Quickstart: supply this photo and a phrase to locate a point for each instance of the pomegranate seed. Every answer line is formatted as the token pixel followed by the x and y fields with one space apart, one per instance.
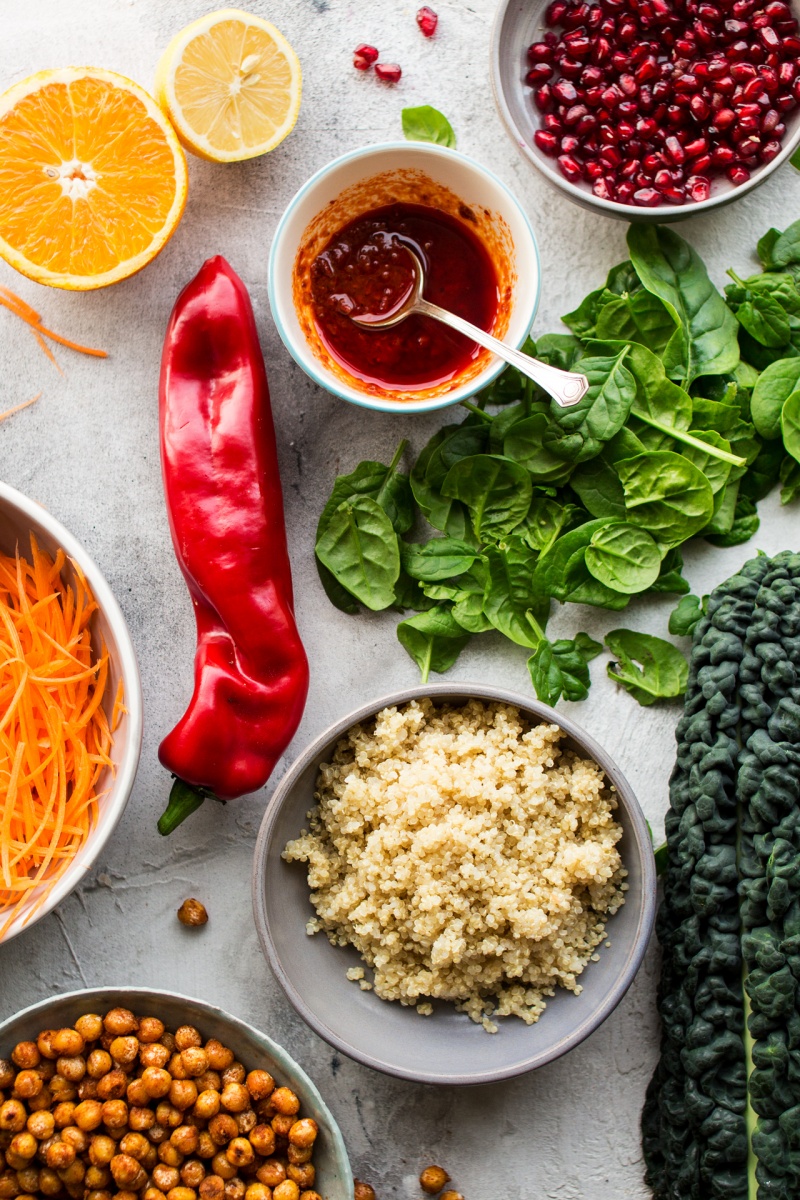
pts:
pixel 625 192
pixel 674 195
pixel 543 98
pixel 737 52
pixel 749 146
pixel 675 150
pixel 630 169
pixel 565 92
pixel 736 29
pixel 786 74
pixel 701 163
pixel 553 123
pixel 753 89
pixel 368 53
pixel 723 156
pixel 570 168
pixel 743 72
pixel 595 18
pixel 427 21
pixel 792 44
pixel 646 127
pixel 570 67
pixel 540 73
pixel 601 51
pixel 578 44
pixel 647 197
pixel 594 97
pixel 769 78
pixel 576 16
pixel 709 13
pixel 554 13
pixel 652 162
pixel 574 114
pixel 603 189
pixel 663 179
pixel 695 147
pixel 738 174
pixel 611 156
pixel 594 170
pixel 769 150
pixel 698 187
pixel 769 37
pixel 547 142
pixel 591 76
pixel 724 118
pixel 586 125
pixel 686 83
pixel 779 130
pixel 569 144
pixel 388 72
pixel 540 52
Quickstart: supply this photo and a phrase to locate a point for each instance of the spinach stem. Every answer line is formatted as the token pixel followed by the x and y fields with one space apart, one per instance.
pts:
pixel 426 662
pixel 680 435
pixel 398 454
pixel 473 408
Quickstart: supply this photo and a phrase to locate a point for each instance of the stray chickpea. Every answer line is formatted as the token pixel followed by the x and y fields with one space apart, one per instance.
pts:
pixel 433 1179
pixel 120 1021
pixel 28 1084
pixel 76 1138
pixel 220 1166
pixel 304 1132
pixel 186 1036
pixel 153 1193
pixel 451 1195
pixel 303 1174
pixel 272 1172
pixel 207 1105
pixel 165 1177
pixel 68 1043
pixel 288 1190
pixel 192 913
pixel 90 1027
pixel 185 1138
pixel 235 1189
pixel 72 1069
pixel 98 1064
pixel 150 1029
pixel 154 1055
pixel 12 1116
pixel 192 1173
pixel 284 1101
pixel 26 1055
pixel 102 1149
pixel 42 1125
pixel 219 1056
pixel 239 1152
pixel 141 1119
pixel 183 1093
pixel 97 1177
pixel 235 1097
pixel 212 1188
pixel 260 1084
pixel 7 1072
pixel 156 1082
pixel 363 1191
pixel 258 1191
pixel 124 1049
pixel 24 1145
pixel 297 1155
pixel 88 1115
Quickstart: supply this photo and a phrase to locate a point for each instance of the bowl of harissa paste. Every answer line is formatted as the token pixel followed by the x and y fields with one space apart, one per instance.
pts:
pixel 346 229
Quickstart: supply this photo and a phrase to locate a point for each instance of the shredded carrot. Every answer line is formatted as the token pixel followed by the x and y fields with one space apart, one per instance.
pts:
pixel 54 732
pixel 10 411
pixel 119 710
pixel 30 316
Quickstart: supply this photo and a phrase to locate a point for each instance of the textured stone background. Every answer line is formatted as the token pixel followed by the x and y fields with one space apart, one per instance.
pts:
pixel 89 451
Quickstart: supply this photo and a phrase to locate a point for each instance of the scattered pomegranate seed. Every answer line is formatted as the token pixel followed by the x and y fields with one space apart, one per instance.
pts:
pixel 647 101
pixel 388 72
pixel 427 21
pixel 364 56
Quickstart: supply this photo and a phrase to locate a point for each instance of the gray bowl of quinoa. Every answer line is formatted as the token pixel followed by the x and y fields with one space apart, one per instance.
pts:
pixel 454 884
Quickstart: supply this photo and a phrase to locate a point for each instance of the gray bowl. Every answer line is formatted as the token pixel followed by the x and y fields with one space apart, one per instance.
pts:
pixel 446 1047
pixel 255 1049
pixel 517 24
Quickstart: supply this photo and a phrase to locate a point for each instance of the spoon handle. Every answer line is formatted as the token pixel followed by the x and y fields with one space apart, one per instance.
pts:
pixel 566 387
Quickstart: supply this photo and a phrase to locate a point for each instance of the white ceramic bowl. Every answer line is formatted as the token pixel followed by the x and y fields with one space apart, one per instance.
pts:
pixel 517 24
pixel 473 184
pixel 19 517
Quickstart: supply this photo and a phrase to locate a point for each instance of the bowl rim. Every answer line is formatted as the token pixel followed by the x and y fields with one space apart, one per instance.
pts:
pixel 641 838
pixel 282 1056
pixel 129 671
pixel 302 355
pixel 587 199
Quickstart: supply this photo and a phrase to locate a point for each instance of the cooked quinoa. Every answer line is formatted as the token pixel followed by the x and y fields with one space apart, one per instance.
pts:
pixel 466 855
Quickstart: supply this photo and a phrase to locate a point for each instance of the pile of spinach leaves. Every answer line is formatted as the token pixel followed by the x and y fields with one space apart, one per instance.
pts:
pixel 692 414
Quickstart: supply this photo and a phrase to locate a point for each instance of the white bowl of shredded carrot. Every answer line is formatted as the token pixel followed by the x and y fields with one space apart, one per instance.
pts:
pixel 70 712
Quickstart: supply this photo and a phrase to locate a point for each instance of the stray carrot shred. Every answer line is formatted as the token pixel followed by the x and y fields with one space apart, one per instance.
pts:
pixel 30 316
pixel 10 411
pixel 54 733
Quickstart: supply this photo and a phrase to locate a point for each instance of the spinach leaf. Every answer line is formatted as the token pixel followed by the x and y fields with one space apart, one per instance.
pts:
pixel 760 479
pixel 383 484
pixel 545 520
pixel 790 425
pixel 524 443
pixel 765 320
pixel 562 668
pixel 468 606
pixel 427 476
pixel 598 488
pixel 584 318
pixel 670 581
pixel 785 249
pixel 774 387
pixel 438 559
pixel 497 492
pixel 410 593
pixel 558 350
pixel 790 478
pixel 745 524
pixel 641 317
pixel 724 511
pixel 426 124
pixel 667 495
pixel 647 667
pixel 576 434
pixel 339 596
pixel 434 639
pixel 715 469
pixel 624 558
pixel 765 247
pixel 622 279
pixel 510 599
pixel 684 619
pixel 705 341
pixel 359 548
pixel 563 574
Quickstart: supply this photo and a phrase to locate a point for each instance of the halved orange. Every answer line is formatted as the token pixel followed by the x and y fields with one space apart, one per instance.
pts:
pixel 93 179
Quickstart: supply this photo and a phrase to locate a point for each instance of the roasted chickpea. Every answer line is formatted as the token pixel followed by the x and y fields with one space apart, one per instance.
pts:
pixel 136 1093
pixel 97 1177
pixel 433 1179
pixel 186 1036
pixel 119 1022
pixel 284 1101
pixel 185 1139
pixel 206 1146
pixel 74 1175
pixel 23 1145
pixel 112 1086
pixel 451 1195
pixel 282 1124
pixel 49 1183
pixel 235 1073
pixel 9 1187
pixel 41 1124
pixel 12 1116
pixel 134 1145
pixel 124 1195
pixel 272 1172
pixel 153 1193
pixel 170 1116
pixel 192 1173
pixel 207 1105
pixel 26 1055
pixel 288 1190
pixel 209 1081
pixel 98 1064
pixel 222 1128
pixel 262 1138
pixel 76 1138
pixel 260 1084
pixel 235 1097
pixel 88 1115
pixel 219 1056
pixel 168 1039
pixel 72 1069
pixel 28 1084
pixel 61 1090
pixel 195 1061
pixel 212 1188
pixel 183 1093
pixel 42 1102
pixel 16 1161
pixel 124 1050
pixel 150 1029
pixel 7 1072
pixel 363 1191
pixel 87 1089
pixel 176 1068
pixel 155 1055
pixel 102 1149
pixel 157 1134
pixel 141 1119
pixel 235 1189
pixel 310 1196
pixel 299 1154
pixel 246 1121
pixel 156 1082
pixel 28 1179
pixel 304 1132
pixel 182 1193
pixel 68 1043
pixel 127 1171
pixel 258 1191
pixel 165 1177
pixel 59 1155
pixel 64 1114
pixel 44 1043
pixel 220 1166
pixel 89 1026
pixel 115 1114
pixel 303 1174
pixel 239 1152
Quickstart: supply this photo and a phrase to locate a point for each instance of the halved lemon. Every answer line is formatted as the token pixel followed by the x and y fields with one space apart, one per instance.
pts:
pixel 231 85
pixel 93 179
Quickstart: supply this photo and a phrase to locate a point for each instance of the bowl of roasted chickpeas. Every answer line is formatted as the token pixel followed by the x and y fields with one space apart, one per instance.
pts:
pixel 134 1094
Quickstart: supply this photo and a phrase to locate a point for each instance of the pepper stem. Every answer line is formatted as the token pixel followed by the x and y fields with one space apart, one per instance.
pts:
pixel 184 799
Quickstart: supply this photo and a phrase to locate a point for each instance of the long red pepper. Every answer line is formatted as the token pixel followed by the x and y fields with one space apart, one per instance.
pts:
pixel 223 494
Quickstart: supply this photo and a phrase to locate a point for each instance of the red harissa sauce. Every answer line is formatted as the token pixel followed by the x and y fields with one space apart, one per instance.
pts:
pixel 364 269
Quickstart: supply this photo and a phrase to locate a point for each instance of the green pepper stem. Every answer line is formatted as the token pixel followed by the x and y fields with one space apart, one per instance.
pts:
pixel 184 799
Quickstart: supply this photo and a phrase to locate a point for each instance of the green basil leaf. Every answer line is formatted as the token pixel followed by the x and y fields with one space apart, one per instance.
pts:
pixel 510 599
pixel 339 596
pixel 359 548
pixel 576 434
pixel 562 668
pixel 790 478
pixel 624 558
pixel 774 387
pixel 438 559
pixel 427 124
pixel 524 443
pixel 765 320
pixel 648 667
pixel 496 491
pixel 684 619
pixel 745 524
pixel 434 639
pixel 670 581
pixel 790 425
pixel 705 342
pixel 667 495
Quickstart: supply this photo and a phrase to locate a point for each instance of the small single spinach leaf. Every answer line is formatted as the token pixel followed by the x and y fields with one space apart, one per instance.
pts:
pixel 434 639
pixel 790 425
pixel 785 249
pixel 545 520
pixel 670 580
pixel 667 495
pixel 583 319
pixel 563 574
pixel 510 598
pixel 427 124
pixel 790 479
pixel 386 485
pixel 576 434
pixel 561 668
pixel 774 387
pixel 686 616
pixel 524 443
pixel 765 320
pixel 339 596
pixel 624 558
pixel 765 246
pixel 745 524
pixel 359 548
pixel 599 489
pixel 648 667
pixel 641 317
pixel 497 492
pixel 438 559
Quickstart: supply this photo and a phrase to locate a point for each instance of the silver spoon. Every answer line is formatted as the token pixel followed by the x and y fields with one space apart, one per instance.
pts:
pixel 566 387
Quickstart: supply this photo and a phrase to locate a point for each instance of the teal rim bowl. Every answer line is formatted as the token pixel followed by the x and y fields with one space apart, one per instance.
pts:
pixel 472 183
pixel 253 1048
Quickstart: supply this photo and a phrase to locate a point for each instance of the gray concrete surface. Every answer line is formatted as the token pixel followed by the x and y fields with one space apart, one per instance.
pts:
pixel 88 450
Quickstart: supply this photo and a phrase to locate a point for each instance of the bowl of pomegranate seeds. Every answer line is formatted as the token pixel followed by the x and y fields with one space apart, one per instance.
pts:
pixel 649 109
